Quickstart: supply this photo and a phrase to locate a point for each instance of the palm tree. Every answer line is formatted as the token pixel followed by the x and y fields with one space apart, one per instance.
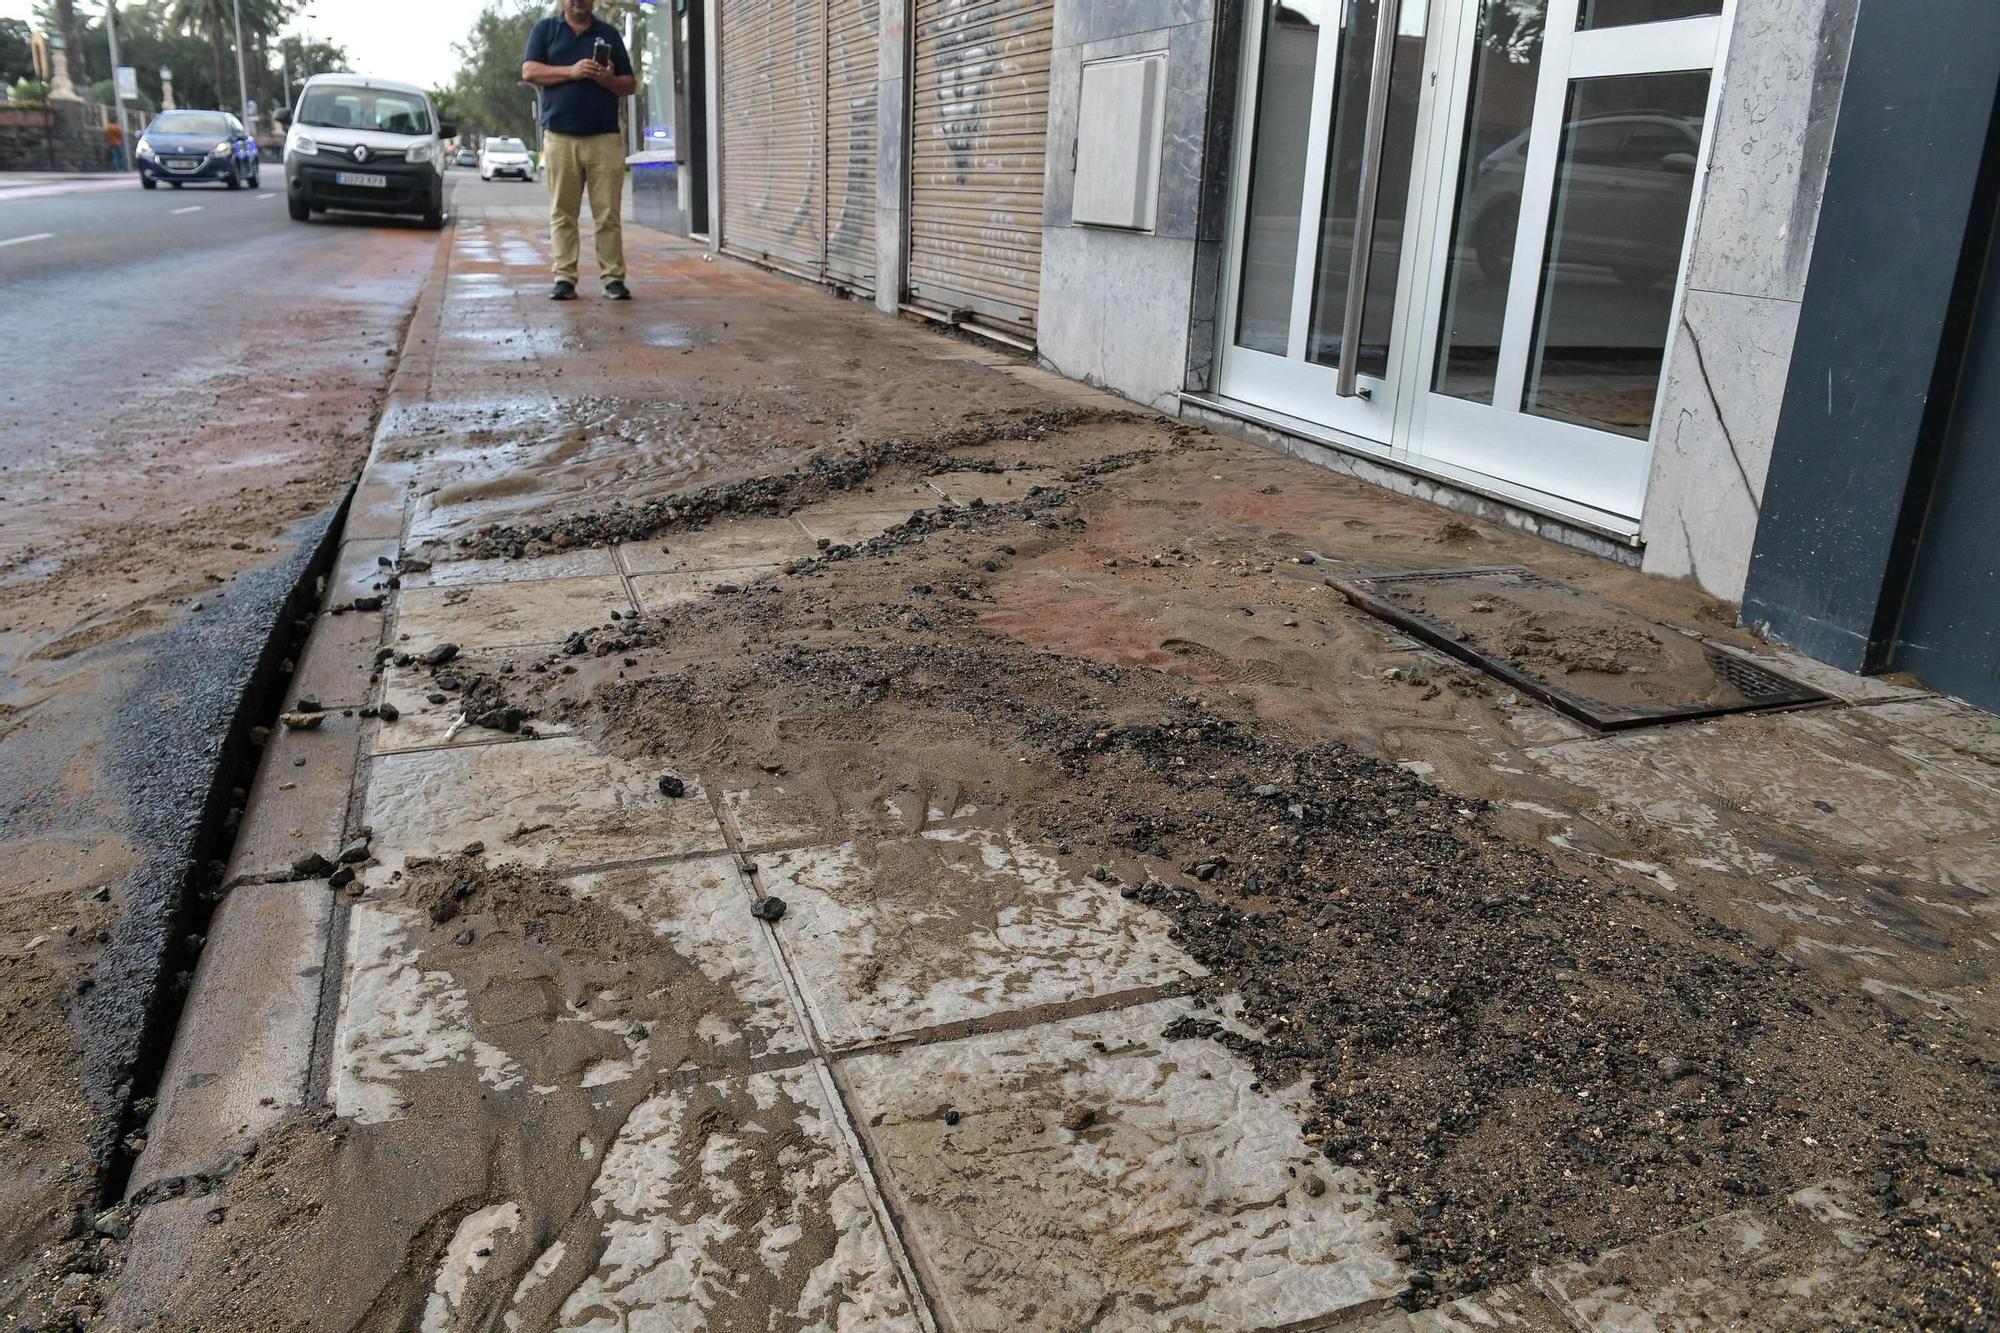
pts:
pixel 215 20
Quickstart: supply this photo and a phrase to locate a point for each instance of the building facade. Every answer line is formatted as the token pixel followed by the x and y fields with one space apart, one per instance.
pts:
pixel 1557 262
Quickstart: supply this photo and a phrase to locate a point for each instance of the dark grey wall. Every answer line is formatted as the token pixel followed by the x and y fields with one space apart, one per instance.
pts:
pixel 1886 303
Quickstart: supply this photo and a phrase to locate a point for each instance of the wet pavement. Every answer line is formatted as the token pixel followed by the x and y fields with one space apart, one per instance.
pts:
pixel 563 1064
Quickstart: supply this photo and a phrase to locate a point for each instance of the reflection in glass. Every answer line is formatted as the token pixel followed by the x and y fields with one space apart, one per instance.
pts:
pixel 1624 182
pixel 1619 13
pixel 1278 176
pixel 1506 64
pixel 1343 183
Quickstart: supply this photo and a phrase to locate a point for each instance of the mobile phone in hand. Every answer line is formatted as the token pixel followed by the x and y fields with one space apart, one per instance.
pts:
pixel 601 53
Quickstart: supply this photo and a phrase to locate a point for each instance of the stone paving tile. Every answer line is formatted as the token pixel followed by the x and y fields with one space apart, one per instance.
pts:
pixel 588 562
pixel 792 812
pixel 734 545
pixel 1943 733
pixel 507 615
pixel 423 725
pixel 554 802
pixel 701 910
pixel 852 527
pixel 993 487
pixel 1100 1176
pixel 729 1205
pixel 400 1015
pixel 379 503
pixel 893 936
pixel 298 803
pixel 659 592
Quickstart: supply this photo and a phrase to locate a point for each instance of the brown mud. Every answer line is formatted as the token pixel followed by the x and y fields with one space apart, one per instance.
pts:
pixel 1535 1060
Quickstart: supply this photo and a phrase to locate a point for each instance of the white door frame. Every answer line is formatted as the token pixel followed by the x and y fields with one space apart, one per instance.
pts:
pixel 1603 473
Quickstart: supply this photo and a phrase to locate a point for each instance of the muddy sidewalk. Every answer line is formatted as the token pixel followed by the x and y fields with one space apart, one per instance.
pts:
pixel 844 828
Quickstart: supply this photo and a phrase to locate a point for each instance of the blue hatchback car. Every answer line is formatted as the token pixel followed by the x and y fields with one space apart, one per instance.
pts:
pixel 183 146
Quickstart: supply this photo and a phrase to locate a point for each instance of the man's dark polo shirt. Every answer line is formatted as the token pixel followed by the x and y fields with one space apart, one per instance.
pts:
pixel 579 106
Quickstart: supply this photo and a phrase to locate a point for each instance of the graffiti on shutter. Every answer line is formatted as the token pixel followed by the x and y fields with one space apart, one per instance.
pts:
pixel 854 41
pixel 773 57
pixel 979 137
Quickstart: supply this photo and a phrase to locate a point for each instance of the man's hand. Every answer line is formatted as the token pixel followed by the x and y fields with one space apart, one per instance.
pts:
pixel 591 70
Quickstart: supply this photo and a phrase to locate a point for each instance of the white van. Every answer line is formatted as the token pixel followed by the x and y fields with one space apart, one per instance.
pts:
pixel 363 144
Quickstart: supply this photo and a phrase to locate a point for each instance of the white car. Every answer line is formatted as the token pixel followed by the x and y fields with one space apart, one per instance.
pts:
pixel 506 157
pixel 364 144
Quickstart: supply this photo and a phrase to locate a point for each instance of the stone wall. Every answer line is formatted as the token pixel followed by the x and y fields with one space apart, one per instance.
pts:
pixel 71 138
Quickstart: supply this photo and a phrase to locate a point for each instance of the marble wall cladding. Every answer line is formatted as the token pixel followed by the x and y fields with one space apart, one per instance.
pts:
pixel 1773 134
pixel 1115 310
pixel 1094 280
pixel 1712 447
pixel 1731 352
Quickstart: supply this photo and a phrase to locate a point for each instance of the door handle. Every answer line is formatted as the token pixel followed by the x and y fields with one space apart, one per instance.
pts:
pixel 1370 189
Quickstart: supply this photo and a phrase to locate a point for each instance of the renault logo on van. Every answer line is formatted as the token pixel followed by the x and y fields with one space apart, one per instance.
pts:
pixel 361 152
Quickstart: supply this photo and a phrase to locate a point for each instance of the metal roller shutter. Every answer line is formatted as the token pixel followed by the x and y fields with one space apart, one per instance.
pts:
pixel 774 132
pixel 979 131
pixel 853 41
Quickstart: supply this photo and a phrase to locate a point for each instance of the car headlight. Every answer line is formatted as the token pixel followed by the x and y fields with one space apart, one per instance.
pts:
pixel 302 145
pixel 420 153
pixel 145 148
pixel 221 150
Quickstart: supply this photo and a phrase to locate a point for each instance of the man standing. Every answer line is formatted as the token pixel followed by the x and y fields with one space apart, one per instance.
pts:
pixel 114 144
pixel 580 64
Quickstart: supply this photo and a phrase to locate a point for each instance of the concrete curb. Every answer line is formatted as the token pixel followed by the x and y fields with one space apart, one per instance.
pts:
pixel 241 1056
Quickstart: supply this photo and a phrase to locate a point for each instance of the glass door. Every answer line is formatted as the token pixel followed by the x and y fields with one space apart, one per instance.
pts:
pixel 1323 210
pixel 1580 129
pixel 1460 228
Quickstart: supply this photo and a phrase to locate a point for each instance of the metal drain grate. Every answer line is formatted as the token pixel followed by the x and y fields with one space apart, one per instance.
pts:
pixel 1735 685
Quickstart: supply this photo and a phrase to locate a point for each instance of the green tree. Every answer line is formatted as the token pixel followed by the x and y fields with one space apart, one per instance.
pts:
pixel 16 59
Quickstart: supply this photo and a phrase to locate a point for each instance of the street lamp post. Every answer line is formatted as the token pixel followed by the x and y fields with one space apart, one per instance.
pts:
pixel 242 80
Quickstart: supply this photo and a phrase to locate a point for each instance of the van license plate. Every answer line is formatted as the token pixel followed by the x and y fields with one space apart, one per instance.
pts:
pixel 361 178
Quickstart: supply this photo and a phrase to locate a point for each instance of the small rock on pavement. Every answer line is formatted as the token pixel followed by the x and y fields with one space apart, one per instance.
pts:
pixel 769 909
pixel 441 654
pixel 302 721
pixel 1078 1118
pixel 354 853
pixel 312 866
pixel 672 788
pixel 388 712
pixel 114 1222
pixel 1313 1186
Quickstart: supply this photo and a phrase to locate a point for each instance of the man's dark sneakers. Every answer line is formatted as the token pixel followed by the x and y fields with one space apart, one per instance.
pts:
pixel 617 291
pixel 565 291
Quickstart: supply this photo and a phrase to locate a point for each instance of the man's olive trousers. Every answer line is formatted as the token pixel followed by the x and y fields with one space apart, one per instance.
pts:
pixel 593 162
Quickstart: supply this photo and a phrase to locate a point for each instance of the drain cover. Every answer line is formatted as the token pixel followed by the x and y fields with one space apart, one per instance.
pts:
pixel 1597 661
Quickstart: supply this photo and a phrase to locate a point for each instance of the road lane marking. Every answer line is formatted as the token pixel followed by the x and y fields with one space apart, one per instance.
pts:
pixel 23 240
pixel 191 208
pixel 263 197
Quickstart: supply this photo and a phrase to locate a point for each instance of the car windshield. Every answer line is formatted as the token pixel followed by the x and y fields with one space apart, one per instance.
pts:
pixel 209 125
pixel 505 146
pixel 339 107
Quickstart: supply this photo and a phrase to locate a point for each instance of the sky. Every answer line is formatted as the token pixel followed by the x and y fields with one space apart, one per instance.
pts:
pixel 409 40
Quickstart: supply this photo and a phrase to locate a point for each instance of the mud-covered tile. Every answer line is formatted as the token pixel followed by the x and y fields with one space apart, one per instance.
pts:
pixel 507 615
pixel 600 984
pixel 736 1204
pixel 700 909
pixel 555 802
pixel 852 528
pixel 752 541
pixel 897 935
pixel 794 811
pixel 1943 733
pixel 992 487
pixel 584 562
pixel 1093 1173
pixel 423 725
pixel 658 592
